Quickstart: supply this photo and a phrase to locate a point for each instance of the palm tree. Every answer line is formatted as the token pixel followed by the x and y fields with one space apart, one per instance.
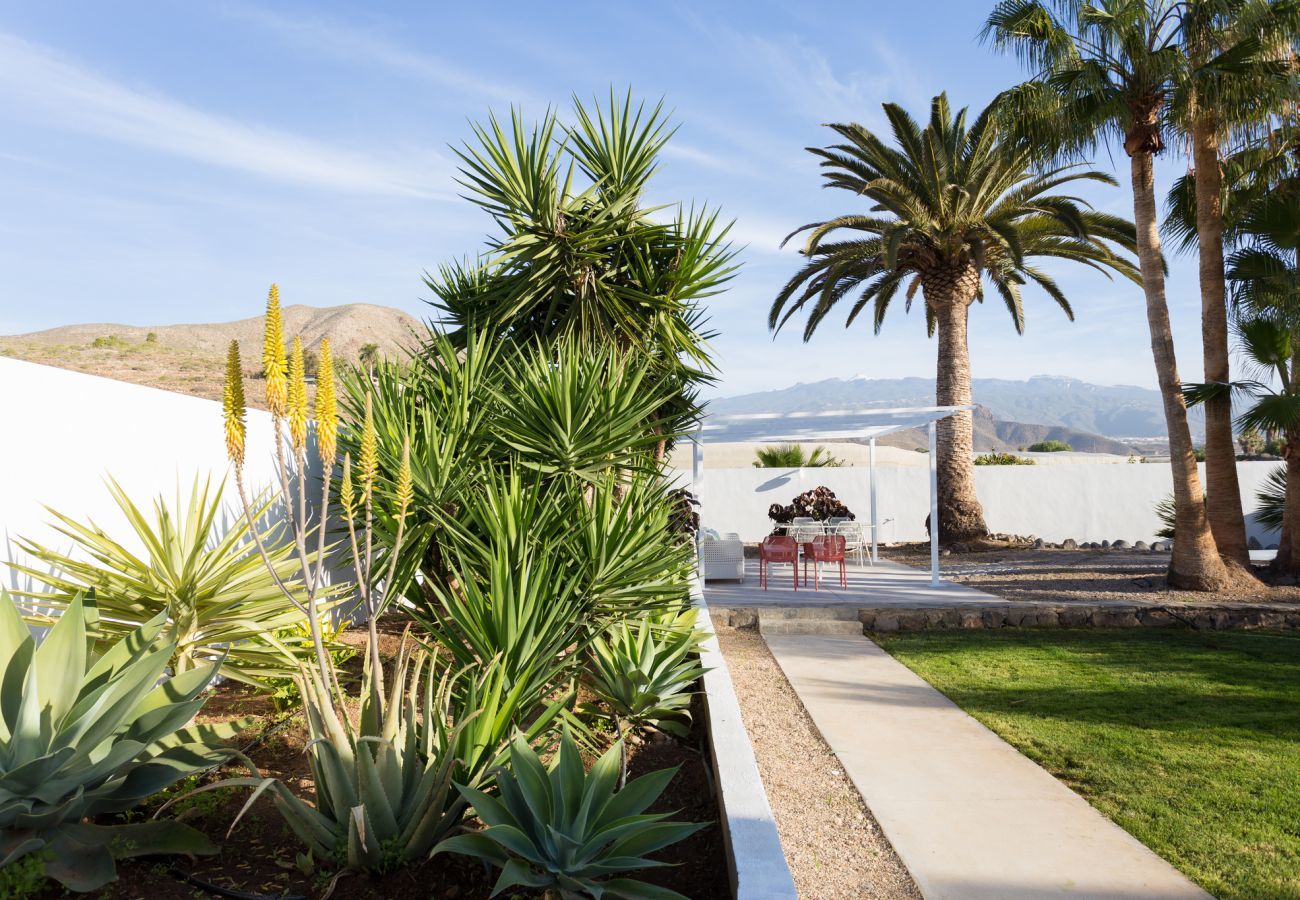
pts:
pixel 951 207
pixel 1107 69
pixel 794 456
pixel 368 356
pixel 1265 274
pixel 1237 74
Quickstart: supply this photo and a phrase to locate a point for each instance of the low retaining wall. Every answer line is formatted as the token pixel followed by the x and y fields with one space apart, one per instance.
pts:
pixel 1201 616
pixel 757 860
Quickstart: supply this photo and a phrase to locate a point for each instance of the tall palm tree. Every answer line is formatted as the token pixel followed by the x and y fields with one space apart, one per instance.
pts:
pixel 1265 275
pixel 1238 73
pixel 951 208
pixel 1102 69
pixel 368 356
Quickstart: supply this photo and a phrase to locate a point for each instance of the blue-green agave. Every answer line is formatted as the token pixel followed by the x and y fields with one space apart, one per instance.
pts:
pixel 84 735
pixel 568 830
pixel 645 669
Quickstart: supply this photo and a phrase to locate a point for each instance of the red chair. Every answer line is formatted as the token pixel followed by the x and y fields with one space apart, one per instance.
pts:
pixel 778 548
pixel 825 548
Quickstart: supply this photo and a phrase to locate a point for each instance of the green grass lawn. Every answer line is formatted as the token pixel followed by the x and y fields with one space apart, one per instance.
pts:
pixel 1189 740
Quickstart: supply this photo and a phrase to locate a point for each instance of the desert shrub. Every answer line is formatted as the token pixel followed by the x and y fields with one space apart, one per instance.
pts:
pixel 1049 447
pixel 108 342
pixel 220 599
pixel 151 338
pixel 820 504
pixel 794 456
pixel 1002 459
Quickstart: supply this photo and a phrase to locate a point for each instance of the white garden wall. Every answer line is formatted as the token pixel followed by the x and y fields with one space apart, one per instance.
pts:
pixel 1084 502
pixel 67 431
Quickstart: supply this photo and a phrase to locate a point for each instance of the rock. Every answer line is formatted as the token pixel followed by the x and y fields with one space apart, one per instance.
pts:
pixel 1254 544
pixel 1139 545
pixel 1093 545
pixel 1039 543
pixel 886 622
pixel 1119 545
pixel 1069 544
pixel 1105 545
pixel 945 552
pixel 1075 616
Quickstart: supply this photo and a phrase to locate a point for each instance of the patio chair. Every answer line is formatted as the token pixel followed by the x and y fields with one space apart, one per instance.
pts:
pixel 855 539
pixel 778 549
pixel 828 548
pixel 722 557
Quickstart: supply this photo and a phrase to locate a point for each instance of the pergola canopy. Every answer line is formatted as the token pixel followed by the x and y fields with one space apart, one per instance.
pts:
pixel 861 424
pixel 820 426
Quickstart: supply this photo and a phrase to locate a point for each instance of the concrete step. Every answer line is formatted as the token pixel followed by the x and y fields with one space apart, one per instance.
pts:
pixel 808 626
pixel 828 613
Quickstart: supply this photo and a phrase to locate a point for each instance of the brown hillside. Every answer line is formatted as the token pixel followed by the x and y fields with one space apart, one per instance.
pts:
pixel 189 359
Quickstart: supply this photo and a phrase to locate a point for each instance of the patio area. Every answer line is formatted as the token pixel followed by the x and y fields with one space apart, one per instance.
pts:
pixel 886 583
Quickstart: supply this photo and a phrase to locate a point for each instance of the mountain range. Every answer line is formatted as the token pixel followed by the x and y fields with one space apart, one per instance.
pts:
pixel 1016 413
pixel 190 359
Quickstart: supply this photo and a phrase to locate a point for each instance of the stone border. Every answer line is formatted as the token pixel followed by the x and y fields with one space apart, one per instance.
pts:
pixel 1203 617
pixel 756 859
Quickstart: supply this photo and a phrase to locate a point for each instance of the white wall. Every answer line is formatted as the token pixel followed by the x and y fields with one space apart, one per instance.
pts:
pixel 67 431
pixel 1084 502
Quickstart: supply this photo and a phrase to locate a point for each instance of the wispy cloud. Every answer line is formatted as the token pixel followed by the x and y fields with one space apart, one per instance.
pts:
pixel 42 85
pixel 351 43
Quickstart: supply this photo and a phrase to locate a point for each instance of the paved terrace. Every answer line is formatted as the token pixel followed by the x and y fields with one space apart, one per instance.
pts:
pixel 883 584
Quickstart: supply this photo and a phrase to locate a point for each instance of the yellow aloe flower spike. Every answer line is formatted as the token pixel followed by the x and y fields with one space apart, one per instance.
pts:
pixel 405 490
pixel 327 413
pixel 369 461
pixel 297 397
pixel 273 361
pixel 347 493
pixel 232 405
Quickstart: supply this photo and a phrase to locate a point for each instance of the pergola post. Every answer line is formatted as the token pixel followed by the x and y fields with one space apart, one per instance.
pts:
pixel 697 472
pixel 875 523
pixel 934 505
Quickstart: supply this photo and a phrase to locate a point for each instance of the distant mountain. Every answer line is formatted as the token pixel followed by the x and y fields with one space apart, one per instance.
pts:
pixel 1114 411
pixel 992 433
pixel 190 359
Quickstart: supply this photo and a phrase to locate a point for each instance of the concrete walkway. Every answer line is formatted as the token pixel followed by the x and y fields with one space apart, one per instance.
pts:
pixel 970 817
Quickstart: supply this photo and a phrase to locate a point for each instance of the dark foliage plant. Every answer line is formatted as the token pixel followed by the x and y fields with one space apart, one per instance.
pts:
pixel 820 503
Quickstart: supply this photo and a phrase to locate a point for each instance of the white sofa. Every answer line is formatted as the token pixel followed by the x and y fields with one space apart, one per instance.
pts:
pixel 722 556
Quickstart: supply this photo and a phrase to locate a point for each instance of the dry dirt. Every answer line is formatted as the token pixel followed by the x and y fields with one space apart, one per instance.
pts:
pixel 833 844
pixel 190 359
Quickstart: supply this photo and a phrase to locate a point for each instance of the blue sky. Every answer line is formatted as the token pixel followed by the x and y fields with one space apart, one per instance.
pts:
pixel 164 162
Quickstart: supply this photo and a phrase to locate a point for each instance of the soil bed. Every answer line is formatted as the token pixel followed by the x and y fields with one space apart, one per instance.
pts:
pixel 259 858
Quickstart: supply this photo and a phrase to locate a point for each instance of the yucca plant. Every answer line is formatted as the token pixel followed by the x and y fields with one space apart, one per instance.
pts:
pixel 644 669
pixel 203 573
pixel 567 830
pixel 84 735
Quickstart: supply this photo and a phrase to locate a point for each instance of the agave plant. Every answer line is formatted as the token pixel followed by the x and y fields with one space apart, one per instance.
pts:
pixel 219 597
pixel 384 792
pixel 644 669
pixel 84 735
pixel 566 830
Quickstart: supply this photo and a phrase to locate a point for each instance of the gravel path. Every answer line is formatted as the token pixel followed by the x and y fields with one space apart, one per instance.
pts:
pixel 833 844
pixel 1081 576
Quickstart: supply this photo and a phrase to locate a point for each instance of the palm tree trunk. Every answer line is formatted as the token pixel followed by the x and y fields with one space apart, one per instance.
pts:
pixel 1195 563
pixel 961 518
pixel 1223 491
pixel 1288 548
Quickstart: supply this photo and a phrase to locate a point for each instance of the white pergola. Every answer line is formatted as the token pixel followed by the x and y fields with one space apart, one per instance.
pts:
pixel 858 424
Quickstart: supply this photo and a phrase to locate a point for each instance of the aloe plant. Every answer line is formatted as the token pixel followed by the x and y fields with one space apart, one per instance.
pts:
pixel 219 596
pixel 566 830
pixel 644 669
pixel 84 735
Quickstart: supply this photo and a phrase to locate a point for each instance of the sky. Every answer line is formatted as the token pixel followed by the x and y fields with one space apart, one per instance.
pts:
pixel 164 162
